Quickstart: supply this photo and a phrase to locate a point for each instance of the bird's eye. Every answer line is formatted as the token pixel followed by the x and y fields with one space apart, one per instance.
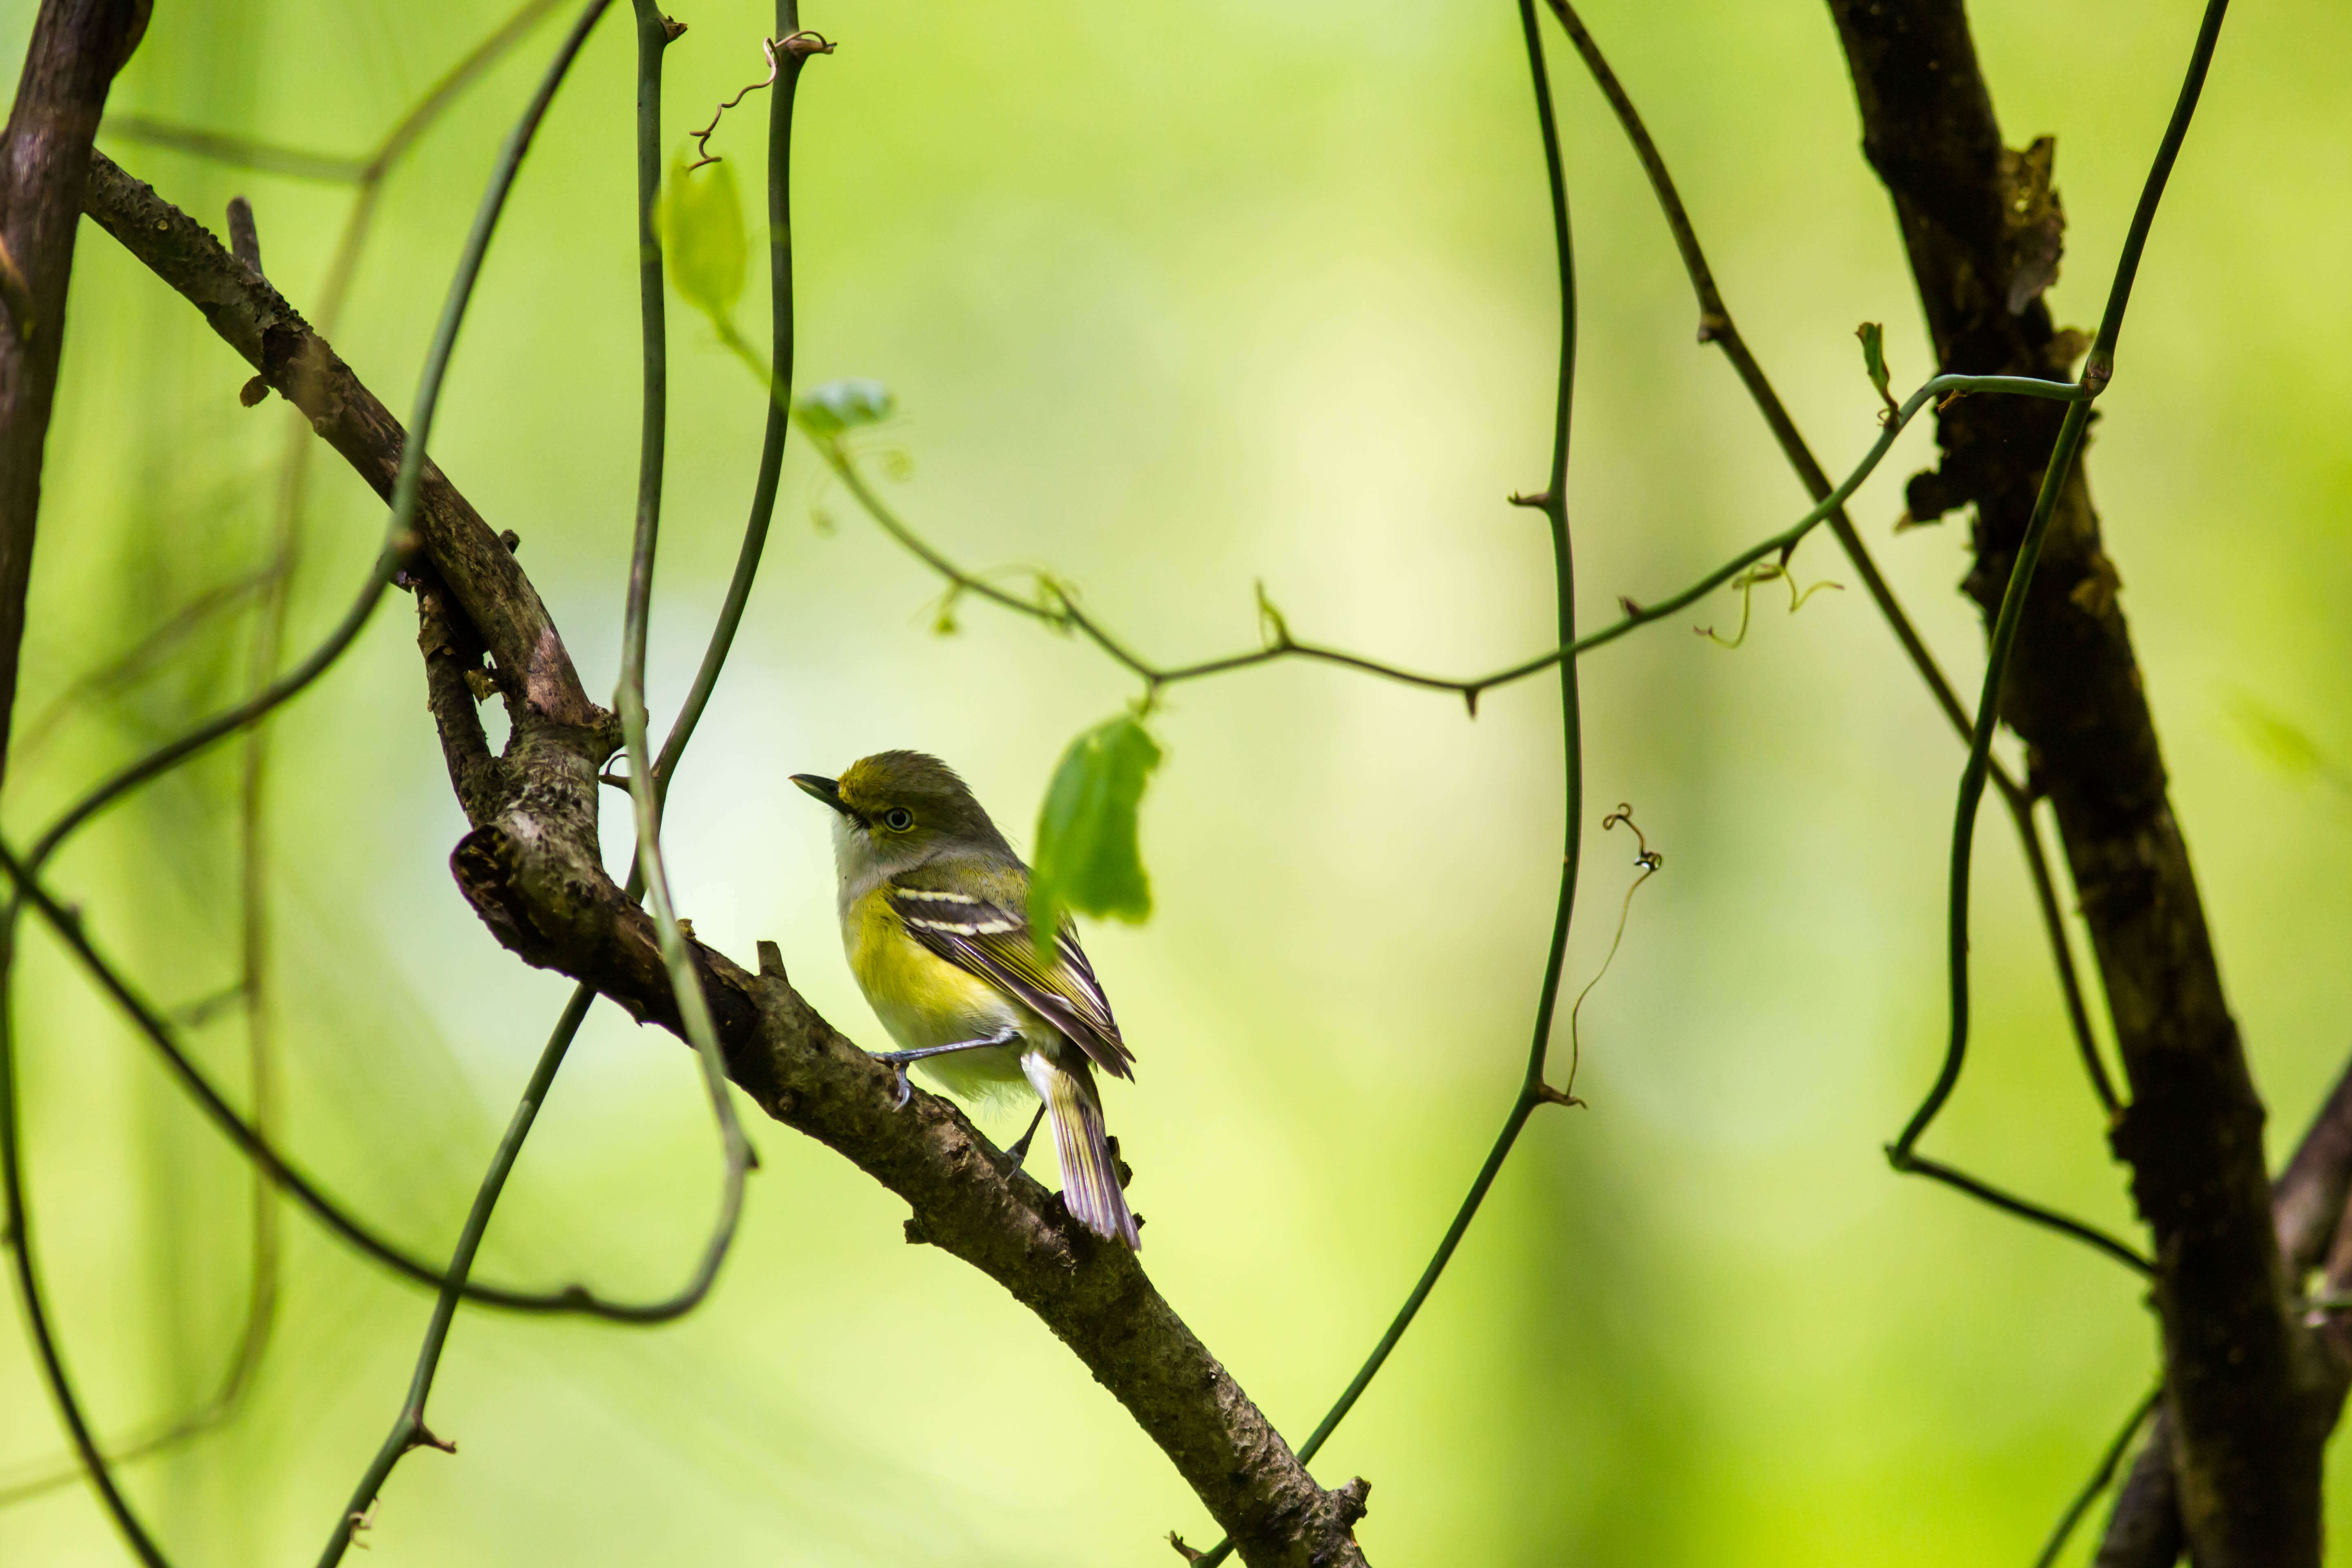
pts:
pixel 898 819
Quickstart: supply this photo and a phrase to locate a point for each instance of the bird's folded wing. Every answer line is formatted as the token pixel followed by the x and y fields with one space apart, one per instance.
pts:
pixel 992 941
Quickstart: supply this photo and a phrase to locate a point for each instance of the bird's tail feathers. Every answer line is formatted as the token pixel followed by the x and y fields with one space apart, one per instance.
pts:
pixel 1090 1188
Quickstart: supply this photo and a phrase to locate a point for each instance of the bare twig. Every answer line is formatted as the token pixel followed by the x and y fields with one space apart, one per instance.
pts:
pixel 243 237
pixel 2102 1474
pixel 1054 605
pixel 1717 326
pixel 440 638
pixel 1534 1089
pixel 408 1430
pixel 277 601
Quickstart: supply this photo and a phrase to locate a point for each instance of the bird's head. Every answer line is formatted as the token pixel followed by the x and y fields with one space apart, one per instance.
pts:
pixel 897 810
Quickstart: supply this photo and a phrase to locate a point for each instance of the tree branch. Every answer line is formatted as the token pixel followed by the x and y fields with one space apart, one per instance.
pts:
pixel 2308 1210
pixel 1717 326
pixel 532 870
pixel 77 48
pixel 530 666
pixel 2245 1386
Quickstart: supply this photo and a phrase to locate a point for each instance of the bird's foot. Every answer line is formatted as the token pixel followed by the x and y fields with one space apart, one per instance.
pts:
pixel 898 1060
pixel 1018 1153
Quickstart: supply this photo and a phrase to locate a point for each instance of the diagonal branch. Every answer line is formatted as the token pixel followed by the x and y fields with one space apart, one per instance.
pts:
pixel 2245 1384
pixel 255 320
pixel 532 870
pixel 2307 1211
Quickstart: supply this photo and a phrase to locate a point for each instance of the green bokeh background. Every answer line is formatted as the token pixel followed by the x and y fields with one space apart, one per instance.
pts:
pixel 1172 300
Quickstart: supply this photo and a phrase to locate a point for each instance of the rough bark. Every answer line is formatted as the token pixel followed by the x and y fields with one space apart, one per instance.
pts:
pixel 2247 1389
pixel 2308 1213
pixel 531 869
pixel 45 153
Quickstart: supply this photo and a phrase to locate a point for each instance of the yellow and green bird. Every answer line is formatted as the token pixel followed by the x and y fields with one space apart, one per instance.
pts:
pixel 934 914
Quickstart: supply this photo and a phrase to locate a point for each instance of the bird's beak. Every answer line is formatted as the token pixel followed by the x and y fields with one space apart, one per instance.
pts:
pixel 824 789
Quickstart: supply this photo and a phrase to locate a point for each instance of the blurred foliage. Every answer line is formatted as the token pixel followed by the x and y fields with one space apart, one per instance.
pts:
pixel 699 217
pixel 1173 299
pixel 839 406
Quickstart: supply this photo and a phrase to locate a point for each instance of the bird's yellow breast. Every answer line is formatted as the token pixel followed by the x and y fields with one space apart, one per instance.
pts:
pixel 924 1000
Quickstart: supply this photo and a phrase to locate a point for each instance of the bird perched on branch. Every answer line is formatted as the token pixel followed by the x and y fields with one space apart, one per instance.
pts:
pixel 934 915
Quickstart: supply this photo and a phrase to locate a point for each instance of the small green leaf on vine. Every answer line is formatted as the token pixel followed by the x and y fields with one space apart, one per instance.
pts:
pixel 1873 360
pixel 1089 858
pixel 839 406
pixel 1056 600
pixel 699 218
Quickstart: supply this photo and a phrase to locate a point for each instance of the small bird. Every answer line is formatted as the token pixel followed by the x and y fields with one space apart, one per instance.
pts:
pixel 934 916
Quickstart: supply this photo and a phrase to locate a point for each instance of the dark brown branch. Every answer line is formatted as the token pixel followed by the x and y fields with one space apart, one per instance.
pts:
pixel 2144 1530
pixel 2246 1389
pixel 531 669
pixel 77 48
pixel 244 236
pixel 532 870
pixel 1095 1296
pixel 2308 1207
pixel 455 685
pixel 2307 1201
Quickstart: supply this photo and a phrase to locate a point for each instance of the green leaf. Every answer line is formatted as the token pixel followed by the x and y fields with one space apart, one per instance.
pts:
pixel 840 405
pixel 1873 358
pixel 1088 856
pixel 700 220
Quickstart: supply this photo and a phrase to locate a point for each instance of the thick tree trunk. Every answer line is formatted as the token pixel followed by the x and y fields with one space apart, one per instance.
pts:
pixel 2250 1394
